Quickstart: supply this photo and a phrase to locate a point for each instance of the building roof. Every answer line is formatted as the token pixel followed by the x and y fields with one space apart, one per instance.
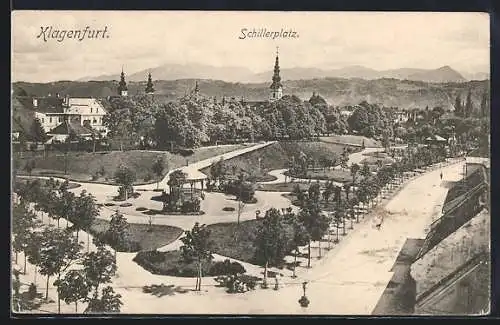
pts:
pixel 67 127
pixel 435 138
pixel 44 104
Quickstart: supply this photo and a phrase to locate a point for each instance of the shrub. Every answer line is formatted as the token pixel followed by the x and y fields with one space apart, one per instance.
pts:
pixel 228 209
pixel 237 283
pixel 148 177
pixel 32 291
pixel 226 268
pixel 141 209
pixel 127 204
pixel 109 204
pixel 191 205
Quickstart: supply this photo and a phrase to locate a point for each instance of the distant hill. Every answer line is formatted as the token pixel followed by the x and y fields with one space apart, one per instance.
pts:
pixel 239 74
pixel 443 74
pixel 406 94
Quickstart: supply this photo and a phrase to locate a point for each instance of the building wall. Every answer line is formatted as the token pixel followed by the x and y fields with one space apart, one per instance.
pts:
pixel 469 295
pixel 49 121
pixel 455 250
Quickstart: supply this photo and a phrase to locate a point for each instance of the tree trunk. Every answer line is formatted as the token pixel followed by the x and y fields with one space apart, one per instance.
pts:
pixel 337 227
pixel 294 263
pixel 16 256
pixel 309 254
pixel 47 288
pixel 200 275
pixel 76 307
pixel 58 223
pixel 343 226
pixel 265 275
pixel 24 262
pixel 34 278
pixel 319 246
pixel 67 223
pixel 77 231
pixel 58 298
pixel 88 241
pixel 126 194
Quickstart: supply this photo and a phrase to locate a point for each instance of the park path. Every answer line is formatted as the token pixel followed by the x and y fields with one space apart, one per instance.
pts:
pixel 354 158
pixel 348 280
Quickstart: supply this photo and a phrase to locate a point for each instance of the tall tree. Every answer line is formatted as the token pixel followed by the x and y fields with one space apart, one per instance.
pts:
pixel 73 287
pixel 59 250
pixel 117 233
pixel 37 131
pixel 484 105
pixel 86 211
pixel 315 222
pixel 99 267
pixel 125 177
pixel 197 247
pixel 158 168
pixel 354 171
pixel 300 237
pixel 469 107
pixel 458 106
pixel 270 241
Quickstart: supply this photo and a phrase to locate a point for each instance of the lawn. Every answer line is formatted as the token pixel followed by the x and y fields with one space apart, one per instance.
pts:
pixel 337 175
pixel 228 239
pixel 83 166
pixel 160 235
pixel 22 181
pixel 172 263
pixel 283 187
pixel 356 140
pixel 278 156
pixel 373 160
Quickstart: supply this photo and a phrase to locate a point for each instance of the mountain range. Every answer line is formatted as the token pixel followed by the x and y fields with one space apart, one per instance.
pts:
pixel 241 74
pixel 405 94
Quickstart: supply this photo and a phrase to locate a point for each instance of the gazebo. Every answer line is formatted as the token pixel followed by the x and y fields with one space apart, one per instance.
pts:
pixel 436 140
pixel 194 177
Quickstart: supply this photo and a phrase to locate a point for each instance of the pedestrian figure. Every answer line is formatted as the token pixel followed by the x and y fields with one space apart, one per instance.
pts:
pixel 441 175
pixel 276 283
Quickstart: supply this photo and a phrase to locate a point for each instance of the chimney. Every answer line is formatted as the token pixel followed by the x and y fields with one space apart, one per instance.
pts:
pixel 35 102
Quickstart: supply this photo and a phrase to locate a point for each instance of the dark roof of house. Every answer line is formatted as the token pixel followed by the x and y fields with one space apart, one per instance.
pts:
pixel 44 104
pixel 67 127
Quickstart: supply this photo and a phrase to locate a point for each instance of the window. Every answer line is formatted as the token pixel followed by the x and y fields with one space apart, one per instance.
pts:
pixel 97 110
pixel 50 119
pixel 43 120
pixel 94 121
pixel 90 109
pixel 60 119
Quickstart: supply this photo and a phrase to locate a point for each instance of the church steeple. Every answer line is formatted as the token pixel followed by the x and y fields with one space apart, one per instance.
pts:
pixel 276 86
pixel 149 86
pixel 196 88
pixel 122 85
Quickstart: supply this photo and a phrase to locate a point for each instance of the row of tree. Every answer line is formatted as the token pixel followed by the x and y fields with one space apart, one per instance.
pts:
pixel 55 251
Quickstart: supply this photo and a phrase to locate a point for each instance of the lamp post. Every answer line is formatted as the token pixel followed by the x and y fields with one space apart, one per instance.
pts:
pixel 303 301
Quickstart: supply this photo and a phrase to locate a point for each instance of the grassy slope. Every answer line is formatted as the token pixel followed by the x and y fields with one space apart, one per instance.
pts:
pixel 276 156
pixel 352 139
pixel 82 166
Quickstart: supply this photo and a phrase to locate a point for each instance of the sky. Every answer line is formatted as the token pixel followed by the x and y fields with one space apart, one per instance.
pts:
pixel 140 40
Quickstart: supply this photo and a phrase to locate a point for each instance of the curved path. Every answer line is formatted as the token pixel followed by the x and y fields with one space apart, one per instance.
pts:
pixel 348 280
